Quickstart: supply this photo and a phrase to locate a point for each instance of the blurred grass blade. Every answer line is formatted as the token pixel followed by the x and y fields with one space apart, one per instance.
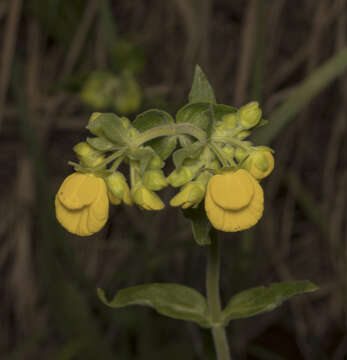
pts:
pixel 301 96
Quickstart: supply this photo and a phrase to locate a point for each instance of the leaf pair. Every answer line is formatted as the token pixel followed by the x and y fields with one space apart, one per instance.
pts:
pixel 184 303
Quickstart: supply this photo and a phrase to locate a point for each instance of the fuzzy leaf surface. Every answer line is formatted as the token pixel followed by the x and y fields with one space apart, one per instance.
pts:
pixel 172 300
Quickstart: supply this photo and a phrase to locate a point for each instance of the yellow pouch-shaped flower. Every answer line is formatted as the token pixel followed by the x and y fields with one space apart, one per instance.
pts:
pixel 81 204
pixel 234 201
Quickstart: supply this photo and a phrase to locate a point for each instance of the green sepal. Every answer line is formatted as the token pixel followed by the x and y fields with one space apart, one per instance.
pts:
pixel 261 123
pixel 201 90
pixel 203 115
pixel 101 143
pixel 263 299
pixel 172 300
pixel 149 119
pixel 112 127
pixel 201 227
pixel 189 152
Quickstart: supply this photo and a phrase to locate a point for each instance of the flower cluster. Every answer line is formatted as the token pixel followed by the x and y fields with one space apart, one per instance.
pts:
pixel 214 163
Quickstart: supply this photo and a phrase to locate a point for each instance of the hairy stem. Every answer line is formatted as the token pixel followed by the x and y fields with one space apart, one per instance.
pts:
pixel 213 299
pixel 171 130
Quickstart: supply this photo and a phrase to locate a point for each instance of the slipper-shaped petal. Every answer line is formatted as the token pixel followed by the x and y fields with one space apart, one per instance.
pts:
pixel 224 216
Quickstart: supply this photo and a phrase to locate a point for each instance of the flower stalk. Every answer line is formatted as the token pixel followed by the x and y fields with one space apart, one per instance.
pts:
pixel 213 299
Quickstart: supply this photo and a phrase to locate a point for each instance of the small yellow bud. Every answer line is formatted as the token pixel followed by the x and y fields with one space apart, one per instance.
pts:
pixel 191 194
pixel 145 198
pixel 118 189
pixel 250 115
pixel 260 163
pixel 87 155
pixel 230 120
pixel 154 180
pixel 181 177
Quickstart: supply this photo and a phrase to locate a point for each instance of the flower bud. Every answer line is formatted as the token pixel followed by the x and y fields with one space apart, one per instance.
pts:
pixel 125 122
pixel 180 177
pixel 243 134
pixel 95 130
pixel 145 198
pixel 118 189
pixel 191 194
pixel 240 154
pixel 156 163
pixel 260 163
pixel 154 180
pixel 250 115
pixel 229 151
pixel 87 155
pixel 230 120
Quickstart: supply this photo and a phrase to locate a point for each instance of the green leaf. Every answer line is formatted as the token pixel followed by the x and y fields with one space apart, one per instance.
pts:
pixel 112 127
pixel 262 299
pixel 147 120
pixel 173 300
pixel 301 96
pixel 189 152
pixel 203 115
pixel 201 89
pixel 200 225
pixel 101 143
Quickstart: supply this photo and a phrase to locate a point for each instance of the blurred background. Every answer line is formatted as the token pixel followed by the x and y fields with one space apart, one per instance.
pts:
pixel 60 60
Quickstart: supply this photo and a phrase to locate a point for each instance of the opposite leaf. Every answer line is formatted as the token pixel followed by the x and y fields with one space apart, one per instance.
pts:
pixel 262 299
pixel 173 300
pixel 201 89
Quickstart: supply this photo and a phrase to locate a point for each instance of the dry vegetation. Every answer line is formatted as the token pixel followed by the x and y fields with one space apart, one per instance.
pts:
pixel 250 50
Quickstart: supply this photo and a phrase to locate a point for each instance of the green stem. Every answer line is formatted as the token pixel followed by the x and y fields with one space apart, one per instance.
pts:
pixel 213 299
pixel 170 130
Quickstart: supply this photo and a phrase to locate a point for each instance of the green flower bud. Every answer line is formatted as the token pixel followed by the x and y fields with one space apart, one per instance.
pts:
pixel 154 180
pixel 230 120
pixel 260 163
pixel 191 194
pixel 240 155
pixel 95 130
pixel 118 189
pixel 181 177
pixel 125 122
pixel 229 151
pixel 87 155
pixel 99 88
pixel 145 198
pixel 250 115
pixel 156 163
pixel 243 134
pixel 128 97
pixel 132 132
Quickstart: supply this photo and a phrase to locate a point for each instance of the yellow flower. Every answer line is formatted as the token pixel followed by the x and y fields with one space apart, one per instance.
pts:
pixel 234 201
pixel 81 204
pixel 145 198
